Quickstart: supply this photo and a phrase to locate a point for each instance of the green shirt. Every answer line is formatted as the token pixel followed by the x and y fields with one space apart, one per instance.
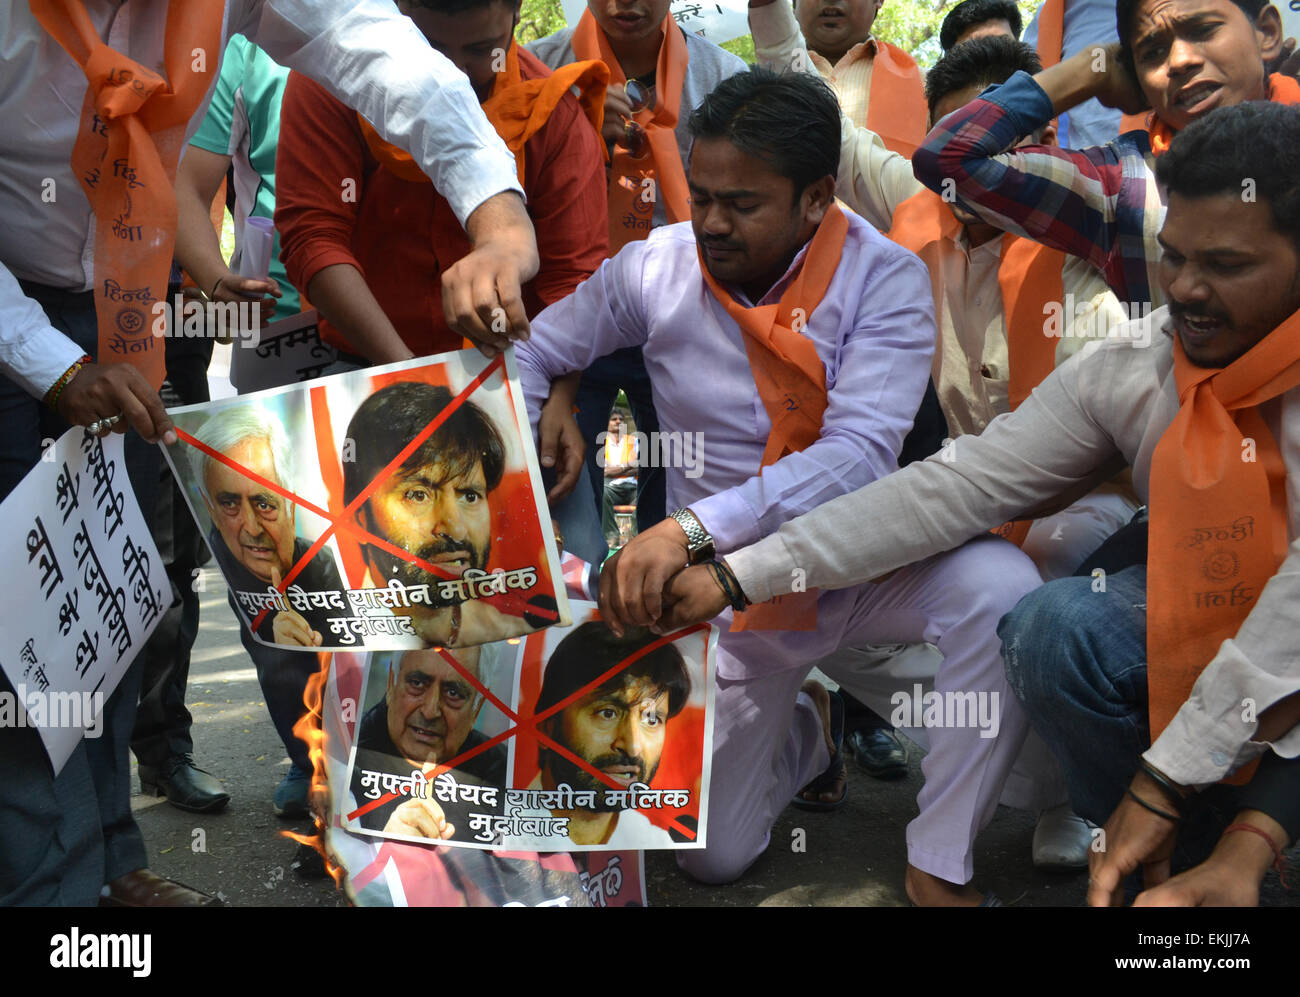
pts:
pixel 243 122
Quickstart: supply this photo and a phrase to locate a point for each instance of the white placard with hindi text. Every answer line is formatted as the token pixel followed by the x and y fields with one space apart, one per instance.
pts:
pixel 87 588
pixel 285 352
pixel 718 21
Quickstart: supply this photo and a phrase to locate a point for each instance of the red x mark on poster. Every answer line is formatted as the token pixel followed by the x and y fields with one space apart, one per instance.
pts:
pixel 531 723
pixel 510 604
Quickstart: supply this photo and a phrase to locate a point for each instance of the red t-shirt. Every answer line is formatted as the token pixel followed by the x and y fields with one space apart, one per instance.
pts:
pixel 336 204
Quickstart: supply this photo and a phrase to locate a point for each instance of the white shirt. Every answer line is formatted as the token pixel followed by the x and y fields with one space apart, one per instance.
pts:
pixel 365 53
pixel 1110 401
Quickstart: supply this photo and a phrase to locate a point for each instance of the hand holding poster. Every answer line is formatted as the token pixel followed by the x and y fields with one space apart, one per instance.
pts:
pixel 89 590
pixel 397 507
pixel 604 743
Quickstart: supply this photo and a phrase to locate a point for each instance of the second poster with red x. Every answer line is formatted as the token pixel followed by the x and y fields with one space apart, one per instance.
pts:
pixel 392 508
pixel 573 739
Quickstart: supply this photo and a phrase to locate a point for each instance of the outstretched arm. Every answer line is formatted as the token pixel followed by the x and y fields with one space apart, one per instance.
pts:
pixel 375 61
pixel 1097 203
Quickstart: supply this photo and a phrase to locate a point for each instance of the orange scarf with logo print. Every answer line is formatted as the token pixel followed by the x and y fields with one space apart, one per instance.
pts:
pixel 1218 523
pixel 635 184
pixel 129 141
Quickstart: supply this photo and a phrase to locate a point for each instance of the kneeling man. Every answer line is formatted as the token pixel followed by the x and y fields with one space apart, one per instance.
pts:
pixel 793 342
pixel 1153 682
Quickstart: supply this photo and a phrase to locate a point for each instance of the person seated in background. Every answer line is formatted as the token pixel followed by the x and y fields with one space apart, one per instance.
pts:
pixel 620 466
pixel 1181 58
pixel 878 85
pixel 979 19
pixel 365 236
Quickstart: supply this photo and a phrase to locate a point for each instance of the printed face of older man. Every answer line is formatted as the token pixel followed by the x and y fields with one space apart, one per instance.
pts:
pixel 432 707
pixel 256 524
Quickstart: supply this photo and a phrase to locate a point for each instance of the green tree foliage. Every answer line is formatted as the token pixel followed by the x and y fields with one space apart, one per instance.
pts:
pixel 912 25
pixel 538 19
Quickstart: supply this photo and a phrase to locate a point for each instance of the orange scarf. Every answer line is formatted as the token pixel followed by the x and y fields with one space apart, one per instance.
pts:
pixel 518 109
pixel 634 185
pixel 1281 90
pixel 791 381
pixel 128 143
pixel 896 107
pixel 1218 521
pixel 1029 275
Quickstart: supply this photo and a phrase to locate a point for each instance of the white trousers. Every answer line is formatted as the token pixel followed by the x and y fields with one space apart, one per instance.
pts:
pixel 767 739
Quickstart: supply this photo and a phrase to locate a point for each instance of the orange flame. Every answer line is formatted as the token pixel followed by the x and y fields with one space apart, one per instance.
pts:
pixel 310 729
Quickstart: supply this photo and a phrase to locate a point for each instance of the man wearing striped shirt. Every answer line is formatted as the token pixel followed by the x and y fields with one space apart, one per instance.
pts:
pixel 1181 58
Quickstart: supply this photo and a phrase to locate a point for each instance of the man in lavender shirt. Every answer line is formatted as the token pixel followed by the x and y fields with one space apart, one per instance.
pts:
pixel 761 179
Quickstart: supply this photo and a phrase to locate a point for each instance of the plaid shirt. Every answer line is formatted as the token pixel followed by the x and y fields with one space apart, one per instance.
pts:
pixel 1101 204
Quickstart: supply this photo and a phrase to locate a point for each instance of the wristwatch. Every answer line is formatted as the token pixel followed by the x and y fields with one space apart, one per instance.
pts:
pixel 699 542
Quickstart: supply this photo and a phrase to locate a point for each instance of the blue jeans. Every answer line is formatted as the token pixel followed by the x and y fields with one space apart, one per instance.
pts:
pixel 1077 659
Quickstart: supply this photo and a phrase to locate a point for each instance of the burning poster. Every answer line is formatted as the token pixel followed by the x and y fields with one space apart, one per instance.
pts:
pixel 397 507
pixel 375 871
pixel 570 740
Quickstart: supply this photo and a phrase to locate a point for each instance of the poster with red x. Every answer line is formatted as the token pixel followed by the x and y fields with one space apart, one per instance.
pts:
pixel 391 508
pixel 570 740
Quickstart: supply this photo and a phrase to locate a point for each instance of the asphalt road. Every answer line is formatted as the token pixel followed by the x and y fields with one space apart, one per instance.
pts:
pixel 855 856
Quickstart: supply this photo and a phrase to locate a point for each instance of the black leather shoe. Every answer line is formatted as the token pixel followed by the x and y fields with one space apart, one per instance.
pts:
pixel 184 785
pixel 878 752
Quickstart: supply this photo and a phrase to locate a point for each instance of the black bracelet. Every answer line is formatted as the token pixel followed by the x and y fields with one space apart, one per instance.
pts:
pixel 721 581
pixel 725 568
pixel 1155 810
pixel 733 594
pixel 1167 787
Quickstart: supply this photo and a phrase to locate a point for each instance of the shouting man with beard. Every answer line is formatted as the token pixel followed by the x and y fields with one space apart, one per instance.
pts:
pixel 619 727
pixel 434 506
